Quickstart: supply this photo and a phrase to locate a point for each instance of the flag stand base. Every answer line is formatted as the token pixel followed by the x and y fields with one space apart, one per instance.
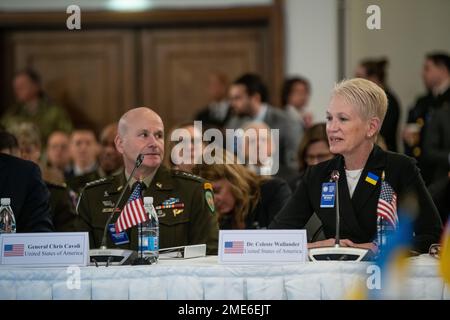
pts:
pixel 141 261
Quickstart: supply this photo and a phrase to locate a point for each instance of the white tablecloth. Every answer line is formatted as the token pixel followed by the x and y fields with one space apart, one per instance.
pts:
pixel 204 278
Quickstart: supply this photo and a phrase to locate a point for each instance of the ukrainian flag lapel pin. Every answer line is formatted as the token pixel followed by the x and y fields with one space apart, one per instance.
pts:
pixel 372 178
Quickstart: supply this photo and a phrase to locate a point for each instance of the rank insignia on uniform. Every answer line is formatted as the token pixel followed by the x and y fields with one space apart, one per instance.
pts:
pixel 109 210
pixel 108 203
pixel 207 186
pixel 119 188
pixel 170 201
pixel 170 206
pixel 210 200
pixel 159 185
pixel 177 212
pixel 106 194
pixel 372 178
pixel 161 214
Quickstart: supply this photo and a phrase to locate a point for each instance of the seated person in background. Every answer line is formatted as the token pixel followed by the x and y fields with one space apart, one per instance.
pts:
pixel 9 144
pixel 249 101
pixel 218 110
pixel 295 94
pixel 58 151
pixel 354 119
pixel 30 145
pixel 62 206
pixel 34 106
pixel 313 149
pixel 110 161
pixel 181 138
pixel 84 151
pixel 21 181
pixel 261 154
pixel 192 221
pixel 242 199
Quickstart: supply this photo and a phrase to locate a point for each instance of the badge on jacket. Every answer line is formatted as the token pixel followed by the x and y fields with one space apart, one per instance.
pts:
pixel 328 195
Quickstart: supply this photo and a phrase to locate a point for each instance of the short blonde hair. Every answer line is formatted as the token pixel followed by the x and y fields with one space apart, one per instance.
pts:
pixel 367 97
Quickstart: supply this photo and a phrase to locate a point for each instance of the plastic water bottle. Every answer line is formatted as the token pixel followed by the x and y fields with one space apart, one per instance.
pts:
pixel 148 233
pixel 7 219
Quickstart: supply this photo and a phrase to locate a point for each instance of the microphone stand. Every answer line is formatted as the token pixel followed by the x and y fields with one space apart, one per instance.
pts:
pixel 137 164
pixel 335 178
pixel 337 252
pixel 99 255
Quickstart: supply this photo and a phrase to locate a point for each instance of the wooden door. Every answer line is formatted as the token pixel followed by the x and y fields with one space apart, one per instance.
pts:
pixel 176 64
pixel 90 73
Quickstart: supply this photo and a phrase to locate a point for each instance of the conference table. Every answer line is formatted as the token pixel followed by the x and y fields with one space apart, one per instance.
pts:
pixel 203 278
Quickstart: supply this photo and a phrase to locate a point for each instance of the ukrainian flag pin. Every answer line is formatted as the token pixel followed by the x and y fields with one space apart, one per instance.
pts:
pixel 372 178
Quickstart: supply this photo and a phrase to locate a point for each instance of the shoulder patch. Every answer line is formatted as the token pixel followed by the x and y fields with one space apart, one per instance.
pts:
pixel 209 197
pixel 187 175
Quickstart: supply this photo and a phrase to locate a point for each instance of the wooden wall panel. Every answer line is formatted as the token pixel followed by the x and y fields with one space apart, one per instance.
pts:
pixel 90 73
pixel 176 64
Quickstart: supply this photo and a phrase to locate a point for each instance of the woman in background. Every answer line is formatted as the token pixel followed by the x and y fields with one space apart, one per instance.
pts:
pixel 243 199
pixel 313 149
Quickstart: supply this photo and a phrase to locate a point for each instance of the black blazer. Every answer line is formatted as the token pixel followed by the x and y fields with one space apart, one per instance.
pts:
pixel 437 142
pixel 390 123
pixel 21 181
pixel 274 195
pixel 358 214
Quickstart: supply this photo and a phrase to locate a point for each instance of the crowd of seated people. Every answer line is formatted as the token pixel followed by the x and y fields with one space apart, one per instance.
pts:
pixel 279 191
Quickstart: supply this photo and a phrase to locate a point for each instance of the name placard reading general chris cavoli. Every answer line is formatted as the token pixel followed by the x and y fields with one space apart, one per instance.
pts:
pixel 45 249
pixel 262 246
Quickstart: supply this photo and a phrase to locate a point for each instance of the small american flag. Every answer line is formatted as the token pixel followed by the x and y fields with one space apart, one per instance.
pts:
pixel 387 204
pixel 133 212
pixel 234 247
pixel 13 250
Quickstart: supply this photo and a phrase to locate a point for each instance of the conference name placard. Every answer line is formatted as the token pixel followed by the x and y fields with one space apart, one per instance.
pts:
pixel 45 249
pixel 262 246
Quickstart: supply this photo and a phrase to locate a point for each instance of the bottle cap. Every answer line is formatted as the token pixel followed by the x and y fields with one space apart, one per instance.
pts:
pixel 5 201
pixel 148 200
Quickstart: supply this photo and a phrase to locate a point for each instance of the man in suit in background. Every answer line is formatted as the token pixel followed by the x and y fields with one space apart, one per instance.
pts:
pixel 21 181
pixel 436 77
pixel 110 161
pixel 218 110
pixel 437 142
pixel 84 151
pixel 249 101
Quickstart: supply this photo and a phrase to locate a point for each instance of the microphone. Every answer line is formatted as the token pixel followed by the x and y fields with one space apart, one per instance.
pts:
pixel 337 252
pixel 335 179
pixel 106 256
pixel 137 164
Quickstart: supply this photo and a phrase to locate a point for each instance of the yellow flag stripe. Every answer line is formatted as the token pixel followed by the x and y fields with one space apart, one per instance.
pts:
pixel 371 181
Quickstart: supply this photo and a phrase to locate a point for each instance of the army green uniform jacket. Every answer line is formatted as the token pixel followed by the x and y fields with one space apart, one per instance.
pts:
pixel 62 208
pixel 48 118
pixel 196 223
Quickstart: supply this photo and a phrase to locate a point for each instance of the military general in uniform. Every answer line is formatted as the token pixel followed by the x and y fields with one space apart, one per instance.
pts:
pixel 183 201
